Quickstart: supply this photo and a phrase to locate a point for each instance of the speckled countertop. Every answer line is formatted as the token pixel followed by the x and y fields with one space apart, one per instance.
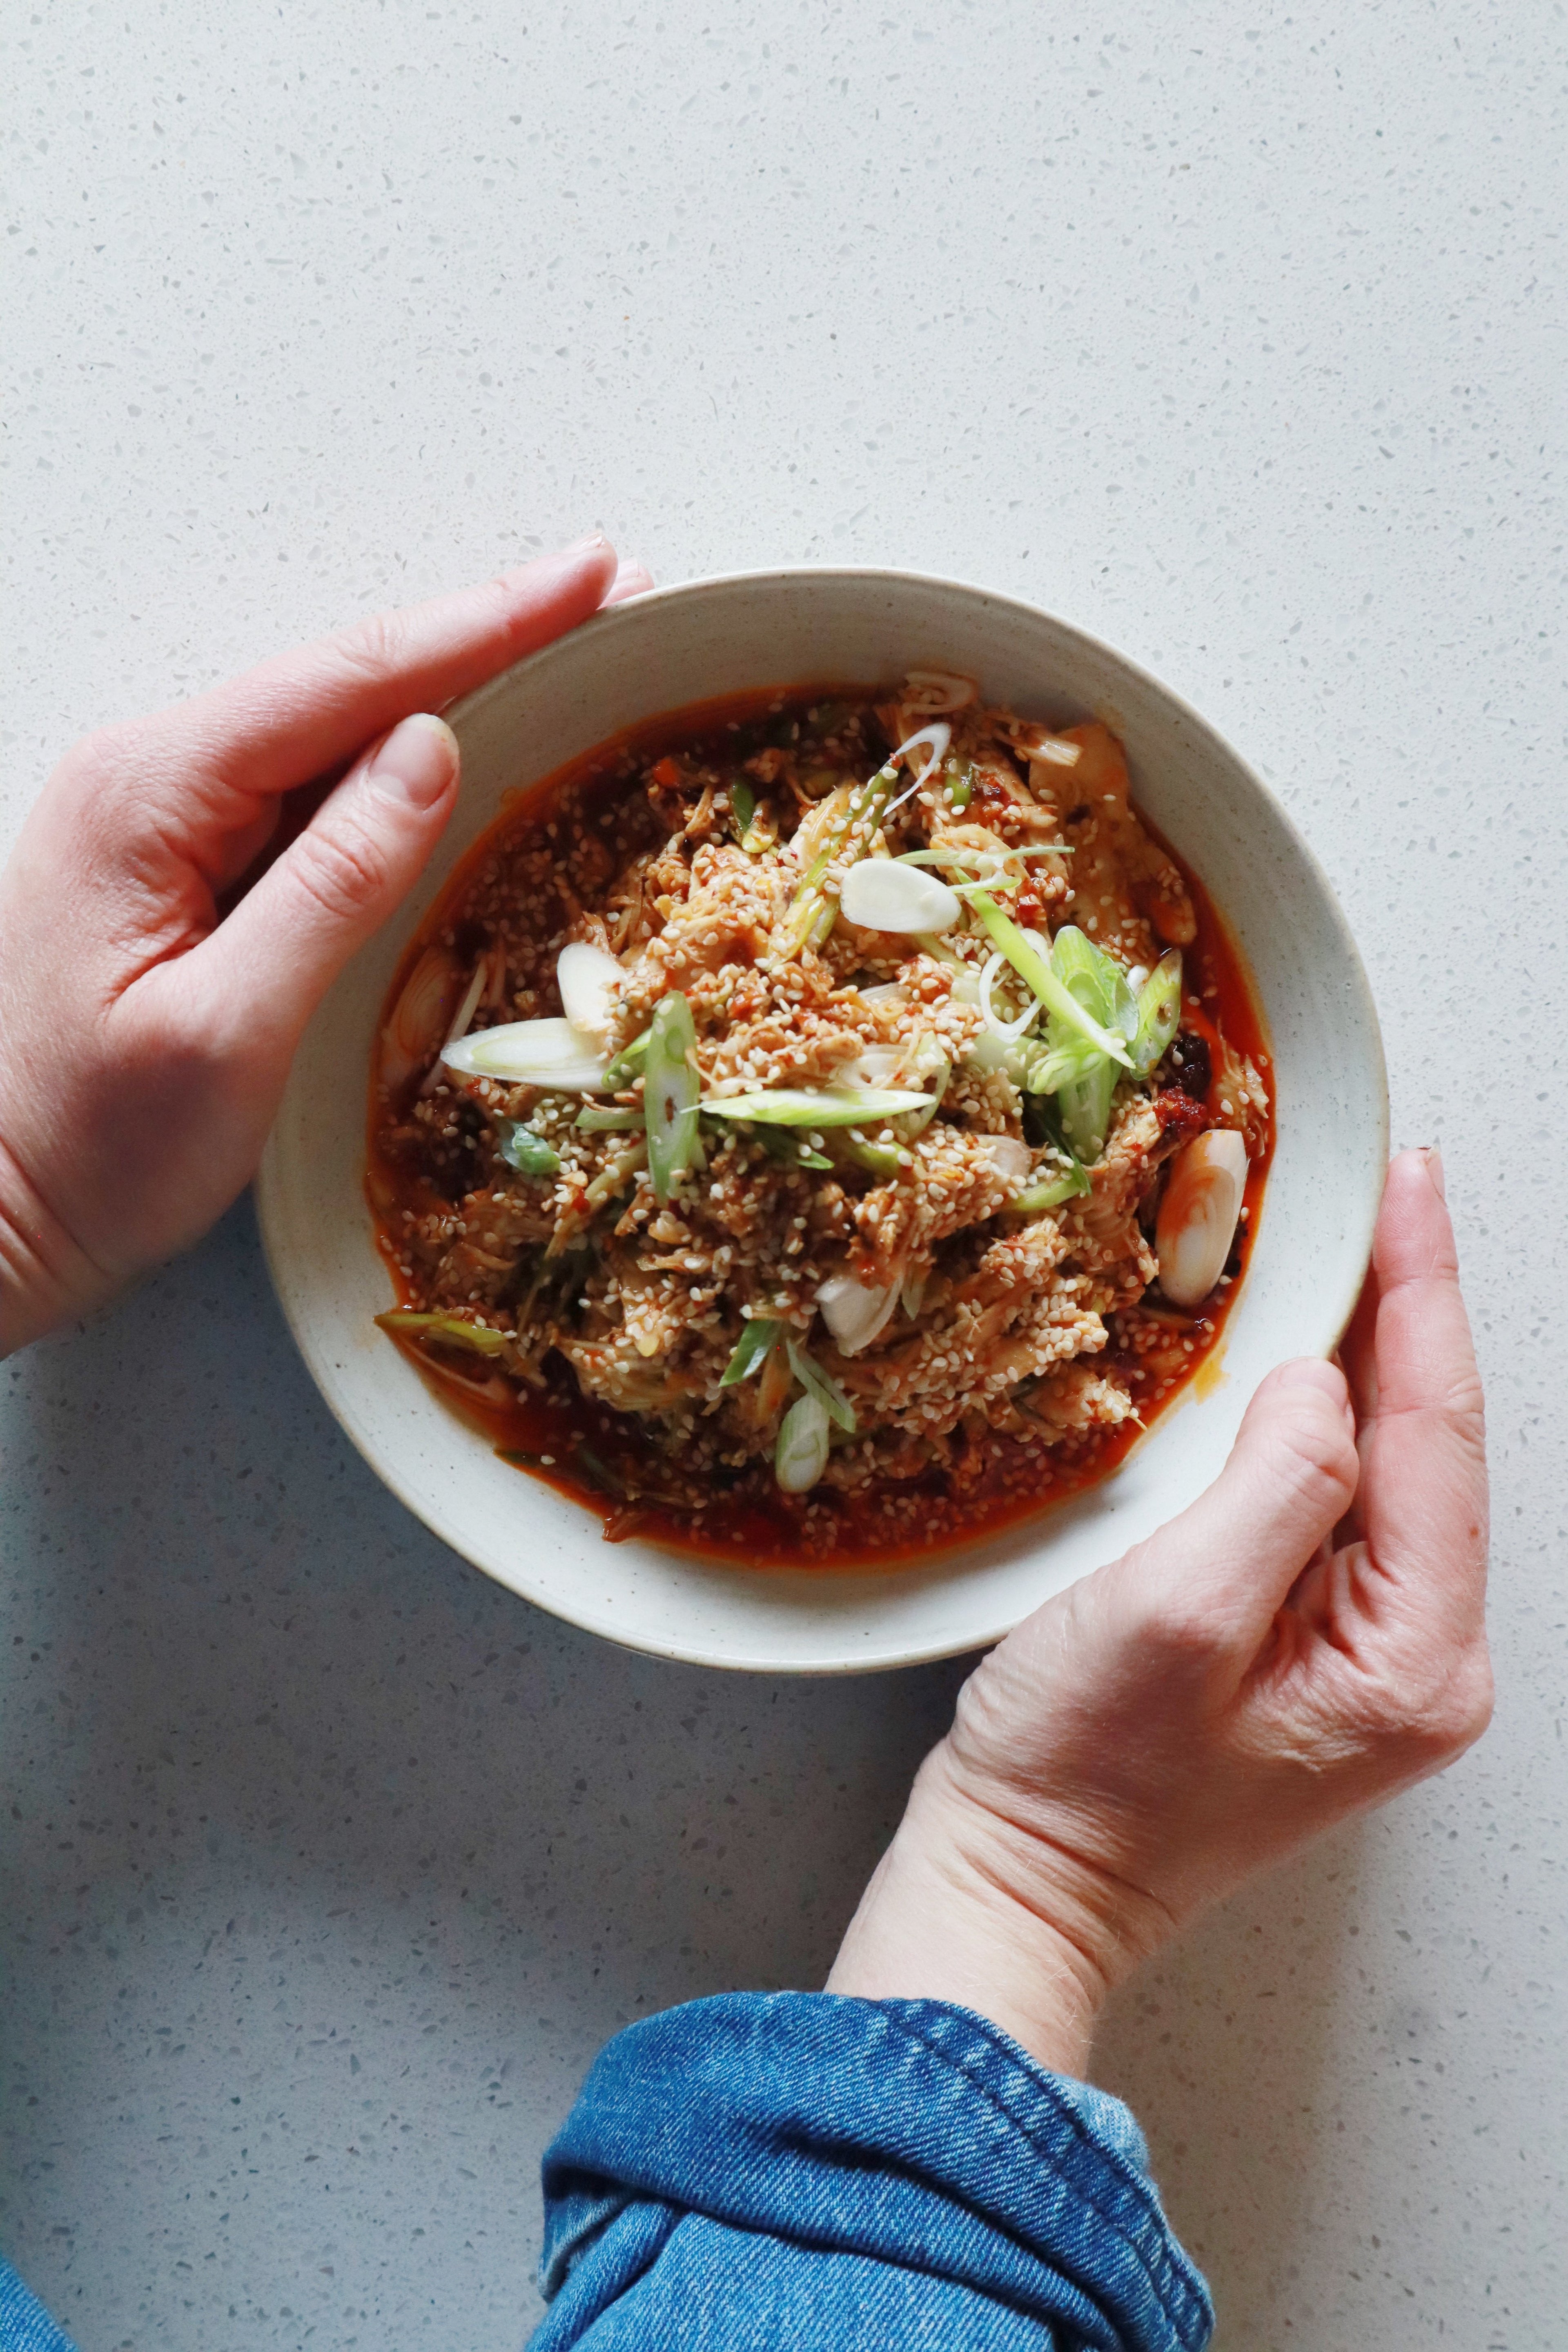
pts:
pixel 1238 339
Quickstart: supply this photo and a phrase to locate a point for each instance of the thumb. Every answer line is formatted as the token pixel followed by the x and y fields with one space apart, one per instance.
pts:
pixel 1215 1576
pixel 284 944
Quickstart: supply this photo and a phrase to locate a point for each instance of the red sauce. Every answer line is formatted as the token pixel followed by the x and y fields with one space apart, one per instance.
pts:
pixel 581 1447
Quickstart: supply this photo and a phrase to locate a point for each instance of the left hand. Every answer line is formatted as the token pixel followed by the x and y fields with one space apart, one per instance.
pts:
pixel 144 1041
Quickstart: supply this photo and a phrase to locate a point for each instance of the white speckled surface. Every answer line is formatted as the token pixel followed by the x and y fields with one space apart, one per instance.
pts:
pixel 1238 340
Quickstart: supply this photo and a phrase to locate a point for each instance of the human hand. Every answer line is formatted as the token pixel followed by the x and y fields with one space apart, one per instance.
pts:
pixel 144 1041
pixel 1305 1641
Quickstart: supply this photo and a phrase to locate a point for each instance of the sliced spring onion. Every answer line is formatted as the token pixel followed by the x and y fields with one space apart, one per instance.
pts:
pixel 879 1159
pixel 816 1384
pixel 1097 981
pixel 608 1118
pixel 752 1350
pixel 1098 984
pixel 937 690
pixel 928 1066
pixel 549 1054
pixel 883 894
pixel 805 1107
pixel 1038 975
pixel 627 1064
pixel 477 1337
pixel 1050 1193
pixel 589 981
pixel 615 1176
pixel 1084 1107
pixel 936 738
pixel 1159 1012
pixel 744 802
pixel 912 1290
pixel 849 831
pixel 960 785
pixel 806 1158
pixel 1052 749
pixel 670 1092
pixel 801 1455
pixel 522 1150
pixel 1009 1031
pixel 856 1312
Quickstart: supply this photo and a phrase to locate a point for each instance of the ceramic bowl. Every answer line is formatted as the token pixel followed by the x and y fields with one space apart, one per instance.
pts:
pixel 718 637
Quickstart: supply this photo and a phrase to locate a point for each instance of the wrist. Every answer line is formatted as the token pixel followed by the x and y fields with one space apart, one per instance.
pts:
pixel 970 1906
pixel 45 1277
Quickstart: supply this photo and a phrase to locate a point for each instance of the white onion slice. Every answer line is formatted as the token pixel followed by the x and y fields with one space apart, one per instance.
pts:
pixel 881 895
pixel 1008 1031
pixel 855 1313
pixel 588 980
pixel 937 737
pixel 937 690
pixel 1198 1215
pixel 530 1054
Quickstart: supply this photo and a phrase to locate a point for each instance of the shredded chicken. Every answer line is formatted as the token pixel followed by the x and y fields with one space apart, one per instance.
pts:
pixel 994 1351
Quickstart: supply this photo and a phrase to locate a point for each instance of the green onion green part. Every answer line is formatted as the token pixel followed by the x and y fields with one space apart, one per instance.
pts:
pixel 1038 975
pixel 1051 1193
pixel 670 1092
pixel 1159 1012
pixel 522 1150
pixel 805 1107
pixel 816 1383
pixel 601 1119
pixel 752 1350
pixel 477 1337
pixel 627 1063
pixel 811 912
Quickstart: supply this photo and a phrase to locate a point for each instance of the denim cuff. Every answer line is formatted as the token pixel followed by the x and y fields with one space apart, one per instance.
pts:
pixel 906 2133
pixel 25 2325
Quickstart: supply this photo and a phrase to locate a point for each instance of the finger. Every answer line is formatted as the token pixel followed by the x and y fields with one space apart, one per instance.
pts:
pixel 1423 1504
pixel 268 964
pixel 241 848
pixel 1215 1575
pixel 209 767
pixel 632 579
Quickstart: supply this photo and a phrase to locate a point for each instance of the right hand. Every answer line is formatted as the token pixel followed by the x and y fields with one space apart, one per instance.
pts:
pixel 1306 1640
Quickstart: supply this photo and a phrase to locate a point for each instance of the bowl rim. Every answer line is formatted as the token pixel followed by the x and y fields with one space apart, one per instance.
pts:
pixel 429 1510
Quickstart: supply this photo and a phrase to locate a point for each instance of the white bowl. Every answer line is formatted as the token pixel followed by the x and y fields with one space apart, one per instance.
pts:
pixel 711 637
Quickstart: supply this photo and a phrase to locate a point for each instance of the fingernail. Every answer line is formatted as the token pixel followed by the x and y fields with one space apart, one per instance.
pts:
pixel 581 546
pixel 1435 1170
pixel 418 760
pixel 1310 1372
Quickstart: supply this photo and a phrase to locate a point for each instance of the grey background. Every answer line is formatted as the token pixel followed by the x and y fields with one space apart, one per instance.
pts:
pixel 1233 335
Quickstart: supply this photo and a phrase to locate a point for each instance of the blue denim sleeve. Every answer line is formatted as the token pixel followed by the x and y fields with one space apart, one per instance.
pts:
pixel 773 2170
pixel 25 2325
